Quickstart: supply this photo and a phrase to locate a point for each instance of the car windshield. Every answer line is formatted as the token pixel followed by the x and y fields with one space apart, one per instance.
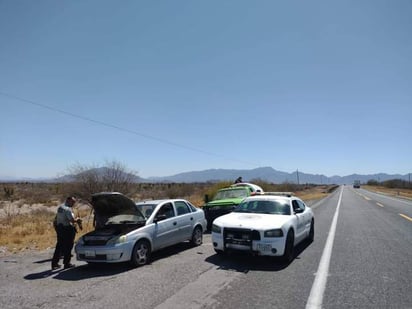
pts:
pixel 125 219
pixel 146 209
pixel 264 207
pixel 235 193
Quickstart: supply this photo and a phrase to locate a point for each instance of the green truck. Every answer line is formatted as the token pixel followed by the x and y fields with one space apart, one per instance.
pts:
pixel 227 199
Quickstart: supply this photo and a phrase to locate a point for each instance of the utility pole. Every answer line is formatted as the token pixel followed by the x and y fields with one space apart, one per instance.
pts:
pixel 297 174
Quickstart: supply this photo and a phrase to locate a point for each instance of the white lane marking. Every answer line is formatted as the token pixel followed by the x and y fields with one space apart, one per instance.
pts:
pixel 366 198
pixel 319 284
pixel 406 217
pixel 380 205
pixel 391 198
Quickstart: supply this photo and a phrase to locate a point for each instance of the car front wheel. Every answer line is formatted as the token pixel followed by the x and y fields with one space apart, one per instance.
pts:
pixel 288 255
pixel 197 236
pixel 141 253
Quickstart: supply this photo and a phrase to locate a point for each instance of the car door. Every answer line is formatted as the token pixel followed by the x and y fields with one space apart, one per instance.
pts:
pixel 166 228
pixel 184 220
pixel 300 226
pixel 306 216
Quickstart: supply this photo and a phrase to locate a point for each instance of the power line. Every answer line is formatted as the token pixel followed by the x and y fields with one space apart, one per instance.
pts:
pixel 112 126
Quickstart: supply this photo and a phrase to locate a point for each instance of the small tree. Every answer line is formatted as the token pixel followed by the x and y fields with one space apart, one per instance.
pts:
pixel 117 177
pixel 113 176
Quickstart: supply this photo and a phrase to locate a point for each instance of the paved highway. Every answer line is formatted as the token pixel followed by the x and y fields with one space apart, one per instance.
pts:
pixel 361 258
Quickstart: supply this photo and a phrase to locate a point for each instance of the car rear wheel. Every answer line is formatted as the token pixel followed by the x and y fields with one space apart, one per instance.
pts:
pixel 288 255
pixel 197 236
pixel 141 253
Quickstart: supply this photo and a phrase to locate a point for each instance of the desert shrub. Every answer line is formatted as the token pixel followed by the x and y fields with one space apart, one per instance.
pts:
pixel 211 191
pixel 283 187
pixel 397 184
pixel 33 193
pixel 174 192
pixel 8 191
pixel 180 190
pixel 372 182
pixel 261 183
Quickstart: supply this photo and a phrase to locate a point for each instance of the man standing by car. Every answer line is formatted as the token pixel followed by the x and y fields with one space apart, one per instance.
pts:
pixel 66 232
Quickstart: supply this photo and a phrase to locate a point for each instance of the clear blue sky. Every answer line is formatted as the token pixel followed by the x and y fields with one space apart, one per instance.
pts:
pixel 172 86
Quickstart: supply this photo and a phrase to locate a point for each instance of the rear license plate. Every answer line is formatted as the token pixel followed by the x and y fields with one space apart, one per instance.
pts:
pixel 90 253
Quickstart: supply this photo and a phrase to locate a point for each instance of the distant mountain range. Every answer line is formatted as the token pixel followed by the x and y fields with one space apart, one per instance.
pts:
pixel 262 173
pixel 271 175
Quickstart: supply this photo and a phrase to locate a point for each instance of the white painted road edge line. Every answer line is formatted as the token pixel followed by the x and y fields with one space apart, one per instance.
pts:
pixel 319 284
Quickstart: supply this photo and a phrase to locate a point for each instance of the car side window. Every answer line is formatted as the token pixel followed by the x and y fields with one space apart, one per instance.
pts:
pixel 167 210
pixel 295 205
pixel 301 205
pixel 181 208
pixel 192 208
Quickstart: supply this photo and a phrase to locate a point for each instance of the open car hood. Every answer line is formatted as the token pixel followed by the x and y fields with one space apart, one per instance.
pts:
pixel 109 204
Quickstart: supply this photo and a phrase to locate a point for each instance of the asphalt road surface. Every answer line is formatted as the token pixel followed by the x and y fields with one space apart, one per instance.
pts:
pixel 361 258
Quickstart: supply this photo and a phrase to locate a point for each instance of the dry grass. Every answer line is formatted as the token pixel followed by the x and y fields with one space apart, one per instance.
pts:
pixel 405 193
pixel 26 231
pixel 314 193
pixel 34 231
pixel 310 196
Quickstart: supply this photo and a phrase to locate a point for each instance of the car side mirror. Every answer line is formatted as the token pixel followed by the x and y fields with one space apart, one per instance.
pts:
pixel 206 198
pixel 159 218
pixel 298 211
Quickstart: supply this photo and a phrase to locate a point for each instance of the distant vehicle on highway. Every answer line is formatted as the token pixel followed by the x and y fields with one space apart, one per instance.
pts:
pixel 356 184
pixel 129 232
pixel 268 224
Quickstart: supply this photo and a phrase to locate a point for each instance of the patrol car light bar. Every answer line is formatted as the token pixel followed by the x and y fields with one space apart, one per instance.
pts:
pixel 288 194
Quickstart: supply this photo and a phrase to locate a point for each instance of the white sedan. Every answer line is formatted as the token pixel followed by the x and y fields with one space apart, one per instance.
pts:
pixel 128 231
pixel 269 224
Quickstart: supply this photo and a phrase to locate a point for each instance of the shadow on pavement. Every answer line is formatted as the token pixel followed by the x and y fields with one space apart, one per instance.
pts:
pixel 166 252
pixel 81 272
pixel 245 262
pixel 40 275
pixel 43 261
pixel 93 270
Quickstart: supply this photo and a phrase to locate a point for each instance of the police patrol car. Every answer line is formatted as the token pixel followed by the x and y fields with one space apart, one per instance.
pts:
pixel 268 224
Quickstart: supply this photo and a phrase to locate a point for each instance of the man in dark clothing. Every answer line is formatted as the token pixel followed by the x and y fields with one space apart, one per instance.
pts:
pixel 238 180
pixel 66 231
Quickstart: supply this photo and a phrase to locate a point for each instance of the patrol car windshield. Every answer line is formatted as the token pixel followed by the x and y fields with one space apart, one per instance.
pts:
pixel 235 193
pixel 264 207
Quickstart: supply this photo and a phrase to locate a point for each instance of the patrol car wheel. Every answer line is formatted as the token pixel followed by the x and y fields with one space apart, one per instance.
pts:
pixel 288 255
pixel 311 236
